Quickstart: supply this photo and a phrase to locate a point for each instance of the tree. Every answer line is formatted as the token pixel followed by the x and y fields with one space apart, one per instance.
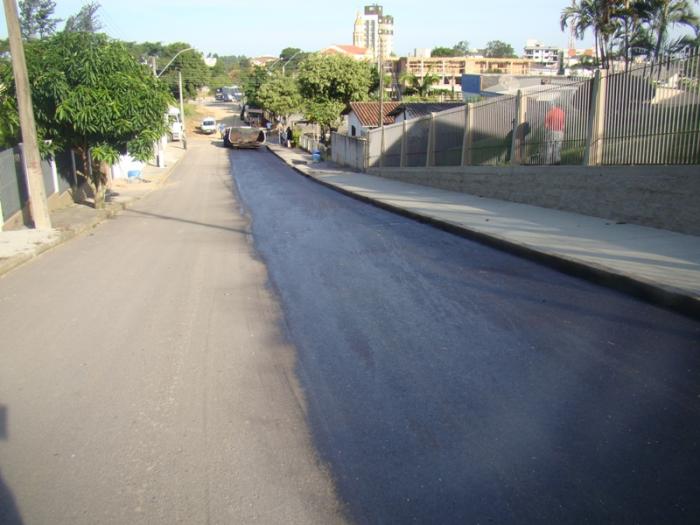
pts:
pixel 190 64
pixel 335 78
pixel 328 83
pixel 462 47
pixel 86 20
pixel 661 16
pixel 252 82
pixel 280 95
pixel 90 95
pixel 323 112
pixel 498 49
pixel 445 52
pixel 36 18
pixel 419 86
pixel 291 57
pixel 597 15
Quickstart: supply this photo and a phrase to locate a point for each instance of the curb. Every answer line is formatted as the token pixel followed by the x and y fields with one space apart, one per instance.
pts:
pixel 112 209
pixel 654 293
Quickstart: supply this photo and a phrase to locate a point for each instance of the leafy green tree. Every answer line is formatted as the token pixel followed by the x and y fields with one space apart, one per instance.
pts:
pixel 444 52
pixel 291 57
pixel 335 77
pixel 86 20
pixel 597 15
pixel 328 83
pixel 498 49
pixel 36 18
pixel 195 72
pixel 252 82
pixel 280 95
pixel 89 94
pixel 462 47
pixel 324 112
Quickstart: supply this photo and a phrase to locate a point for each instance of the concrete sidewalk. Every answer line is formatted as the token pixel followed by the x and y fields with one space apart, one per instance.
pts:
pixel 19 246
pixel 657 265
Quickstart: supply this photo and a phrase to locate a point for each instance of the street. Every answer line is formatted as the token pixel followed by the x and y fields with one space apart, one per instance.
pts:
pixel 145 376
pixel 246 345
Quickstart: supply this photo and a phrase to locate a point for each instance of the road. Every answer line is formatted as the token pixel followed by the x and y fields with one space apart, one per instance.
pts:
pixel 245 345
pixel 449 382
pixel 145 374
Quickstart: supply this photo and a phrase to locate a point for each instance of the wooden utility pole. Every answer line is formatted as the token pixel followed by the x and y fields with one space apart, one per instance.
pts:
pixel 38 204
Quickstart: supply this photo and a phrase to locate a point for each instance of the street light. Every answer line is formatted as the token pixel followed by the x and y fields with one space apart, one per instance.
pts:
pixel 173 60
pixel 179 86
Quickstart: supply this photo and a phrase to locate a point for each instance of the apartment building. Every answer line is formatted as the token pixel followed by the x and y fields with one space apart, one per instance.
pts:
pixel 541 53
pixel 375 31
pixel 451 69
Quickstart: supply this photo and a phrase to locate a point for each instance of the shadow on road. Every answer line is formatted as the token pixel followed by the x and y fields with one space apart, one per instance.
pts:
pixel 187 221
pixel 9 515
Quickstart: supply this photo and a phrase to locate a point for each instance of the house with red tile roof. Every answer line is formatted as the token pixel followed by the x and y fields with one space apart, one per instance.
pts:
pixel 363 116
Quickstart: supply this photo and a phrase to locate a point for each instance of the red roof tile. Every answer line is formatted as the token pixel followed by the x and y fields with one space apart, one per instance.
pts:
pixel 368 112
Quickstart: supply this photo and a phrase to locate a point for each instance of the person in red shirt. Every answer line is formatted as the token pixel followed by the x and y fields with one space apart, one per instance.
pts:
pixel 554 126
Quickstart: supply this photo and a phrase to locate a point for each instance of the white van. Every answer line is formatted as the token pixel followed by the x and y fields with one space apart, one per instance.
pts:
pixel 174 124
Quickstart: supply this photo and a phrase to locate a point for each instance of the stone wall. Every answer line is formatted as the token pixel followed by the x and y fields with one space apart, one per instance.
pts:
pixel 666 197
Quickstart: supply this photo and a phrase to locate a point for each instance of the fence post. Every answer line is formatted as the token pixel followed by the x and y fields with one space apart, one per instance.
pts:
pixel 467 140
pixel 430 148
pixel 593 155
pixel 515 146
pixel 366 153
pixel 404 152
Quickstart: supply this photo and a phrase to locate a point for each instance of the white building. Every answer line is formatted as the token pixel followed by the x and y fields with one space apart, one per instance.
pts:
pixel 541 53
pixel 375 31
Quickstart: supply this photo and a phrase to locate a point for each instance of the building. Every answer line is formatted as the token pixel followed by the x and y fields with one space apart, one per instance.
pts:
pixel 542 54
pixel 375 31
pixel 450 69
pixel 364 116
pixel 413 110
pixel 263 60
pixel 358 53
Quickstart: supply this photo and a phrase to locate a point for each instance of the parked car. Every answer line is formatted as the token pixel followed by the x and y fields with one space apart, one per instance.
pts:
pixel 208 126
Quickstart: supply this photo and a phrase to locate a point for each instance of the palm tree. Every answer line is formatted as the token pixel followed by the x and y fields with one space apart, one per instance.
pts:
pixel 600 16
pixel 662 15
pixel 420 86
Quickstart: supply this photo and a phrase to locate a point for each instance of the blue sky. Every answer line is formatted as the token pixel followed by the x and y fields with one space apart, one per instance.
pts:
pixel 255 27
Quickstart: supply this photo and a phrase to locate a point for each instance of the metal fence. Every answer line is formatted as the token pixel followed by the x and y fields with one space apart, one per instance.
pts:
pixel 649 114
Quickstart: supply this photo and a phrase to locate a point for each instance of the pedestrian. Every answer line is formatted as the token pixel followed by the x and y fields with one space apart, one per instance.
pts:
pixel 554 130
pixel 289 137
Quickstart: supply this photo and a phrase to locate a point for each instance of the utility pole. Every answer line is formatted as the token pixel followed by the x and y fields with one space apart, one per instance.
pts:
pixel 182 111
pixel 38 204
pixel 381 102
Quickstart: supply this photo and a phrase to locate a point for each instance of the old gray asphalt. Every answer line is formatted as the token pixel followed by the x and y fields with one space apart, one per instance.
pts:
pixel 145 376
pixel 448 382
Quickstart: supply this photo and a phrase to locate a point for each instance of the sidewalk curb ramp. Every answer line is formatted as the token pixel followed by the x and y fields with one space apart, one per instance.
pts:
pixel 651 292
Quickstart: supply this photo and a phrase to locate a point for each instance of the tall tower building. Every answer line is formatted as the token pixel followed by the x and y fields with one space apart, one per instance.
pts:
pixel 375 31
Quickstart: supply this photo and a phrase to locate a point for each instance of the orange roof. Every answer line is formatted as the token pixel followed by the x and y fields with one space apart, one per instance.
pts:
pixel 368 112
pixel 346 49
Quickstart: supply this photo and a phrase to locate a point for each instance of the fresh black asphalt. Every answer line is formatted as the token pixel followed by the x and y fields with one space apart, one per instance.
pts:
pixel 449 382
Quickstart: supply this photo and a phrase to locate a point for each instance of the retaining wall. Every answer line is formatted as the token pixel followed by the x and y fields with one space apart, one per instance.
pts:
pixel 666 197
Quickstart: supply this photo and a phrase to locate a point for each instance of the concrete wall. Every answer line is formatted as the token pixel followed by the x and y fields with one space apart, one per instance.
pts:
pixel 666 197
